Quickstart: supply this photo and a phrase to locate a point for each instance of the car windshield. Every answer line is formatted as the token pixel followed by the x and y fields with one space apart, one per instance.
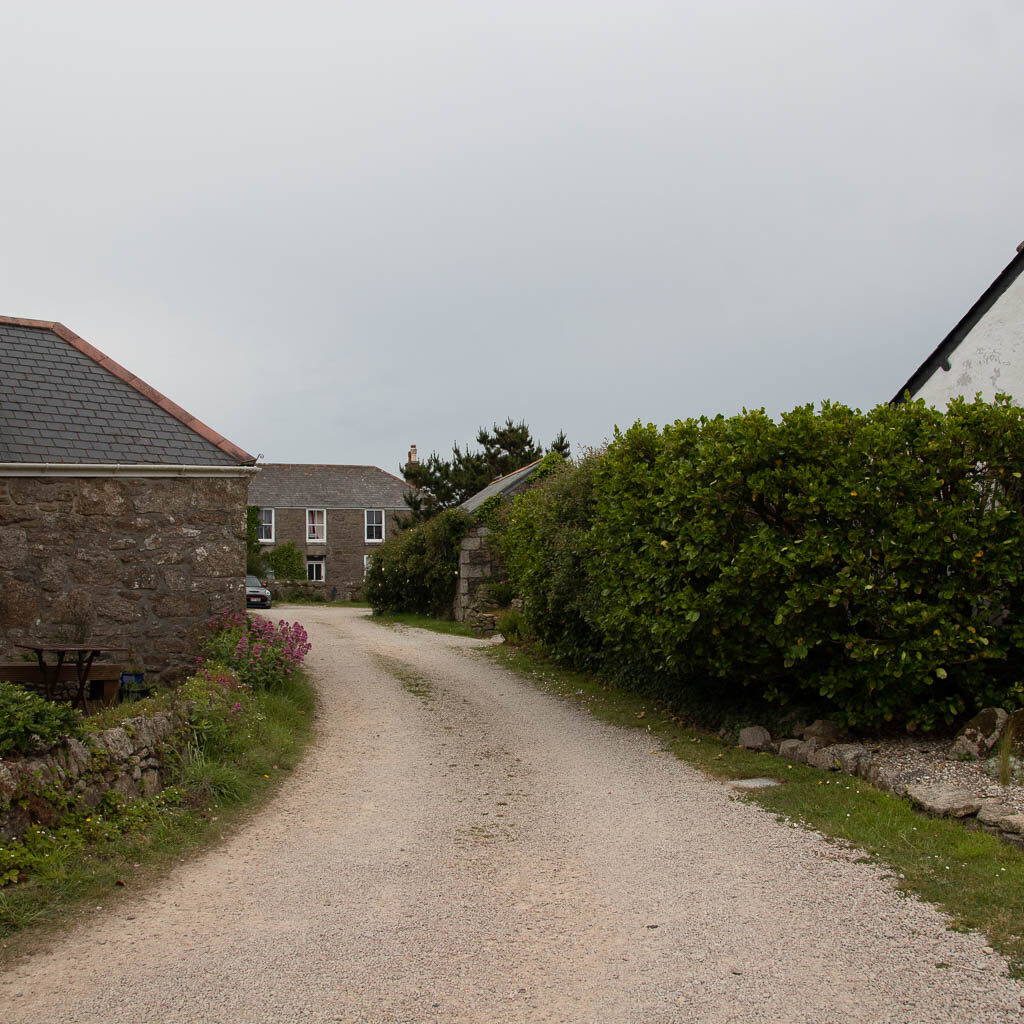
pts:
pixel 252 581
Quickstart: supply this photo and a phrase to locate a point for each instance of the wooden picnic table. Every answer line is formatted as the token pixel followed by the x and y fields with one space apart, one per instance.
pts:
pixel 84 654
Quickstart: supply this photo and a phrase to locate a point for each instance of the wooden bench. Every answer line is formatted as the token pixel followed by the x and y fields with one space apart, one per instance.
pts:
pixel 104 678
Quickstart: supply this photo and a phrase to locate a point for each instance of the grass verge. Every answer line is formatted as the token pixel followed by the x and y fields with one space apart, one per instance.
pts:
pixel 449 626
pixel 92 859
pixel 975 878
pixel 410 679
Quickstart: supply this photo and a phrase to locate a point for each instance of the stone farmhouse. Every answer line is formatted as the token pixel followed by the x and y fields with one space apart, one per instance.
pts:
pixel 122 516
pixel 984 351
pixel 337 516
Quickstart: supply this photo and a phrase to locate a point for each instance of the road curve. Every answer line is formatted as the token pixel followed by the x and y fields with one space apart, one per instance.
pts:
pixel 458 847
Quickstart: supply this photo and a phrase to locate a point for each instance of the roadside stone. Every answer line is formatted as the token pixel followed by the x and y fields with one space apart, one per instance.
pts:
pixel 804 750
pixel 824 759
pixel 979 735
pixel 1013 823
pixel 882 776
pixel 755 737
pixel 945 801
pixel 791 750
pixel 994 812
pixel 844 757
pixel 824 731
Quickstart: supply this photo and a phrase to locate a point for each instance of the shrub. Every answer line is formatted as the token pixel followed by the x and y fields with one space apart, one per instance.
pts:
pixel 868 562
pixel 286 561
pixel 417 570
pixel 264 654
pixel 28 721
pixel 501 593
pixel 544 539
pixel 218 702
pixel 512 626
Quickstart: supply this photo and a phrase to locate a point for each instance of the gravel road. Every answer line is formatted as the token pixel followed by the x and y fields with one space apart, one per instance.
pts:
pixel 459 847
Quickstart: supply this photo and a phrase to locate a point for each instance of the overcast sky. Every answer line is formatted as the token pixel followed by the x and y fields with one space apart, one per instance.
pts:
pixel 333 229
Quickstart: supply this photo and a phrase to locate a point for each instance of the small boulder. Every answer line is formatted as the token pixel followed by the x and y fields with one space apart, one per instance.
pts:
pixel 849 756
pixel 791 749
pixel 824 731
pixel 1013 823
pixel 994 812
pixel 823 759
pixel 755 737
pixel 979 735
pixel 945 801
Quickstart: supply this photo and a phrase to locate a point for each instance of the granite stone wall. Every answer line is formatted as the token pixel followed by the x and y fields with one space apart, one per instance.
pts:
pixel 478 566
pixel 139 561
pixel 76 774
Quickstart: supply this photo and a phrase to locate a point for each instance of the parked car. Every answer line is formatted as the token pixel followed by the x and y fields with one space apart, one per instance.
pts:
pixel 256 595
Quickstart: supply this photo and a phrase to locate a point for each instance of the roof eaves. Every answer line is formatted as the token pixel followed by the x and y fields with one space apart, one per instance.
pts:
pixel 111 366
pixel 968 322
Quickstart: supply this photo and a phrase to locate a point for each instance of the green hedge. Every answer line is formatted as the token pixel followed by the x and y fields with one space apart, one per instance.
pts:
pixel 417 570
pixel 870 563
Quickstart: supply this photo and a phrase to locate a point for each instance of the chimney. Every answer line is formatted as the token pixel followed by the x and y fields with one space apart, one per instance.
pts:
pixel 413 457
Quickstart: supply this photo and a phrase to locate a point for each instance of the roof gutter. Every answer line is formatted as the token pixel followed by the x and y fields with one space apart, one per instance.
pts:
pixel 127 470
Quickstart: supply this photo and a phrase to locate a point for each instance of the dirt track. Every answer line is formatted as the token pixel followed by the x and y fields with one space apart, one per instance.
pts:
pixel 459 847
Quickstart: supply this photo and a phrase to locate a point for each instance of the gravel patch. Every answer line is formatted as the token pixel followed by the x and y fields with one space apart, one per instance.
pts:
pixel 469 849
pixel 919 761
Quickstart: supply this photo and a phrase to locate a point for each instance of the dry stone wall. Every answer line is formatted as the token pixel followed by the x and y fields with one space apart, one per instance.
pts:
pixel 143 561
pixel 478 566
pixel 129 760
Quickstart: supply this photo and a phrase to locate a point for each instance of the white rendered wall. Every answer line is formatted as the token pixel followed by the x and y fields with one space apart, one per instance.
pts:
pixel 990 359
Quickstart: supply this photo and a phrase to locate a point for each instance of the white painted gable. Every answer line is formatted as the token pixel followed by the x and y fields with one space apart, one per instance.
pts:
pixel 990 359
pixel 984 353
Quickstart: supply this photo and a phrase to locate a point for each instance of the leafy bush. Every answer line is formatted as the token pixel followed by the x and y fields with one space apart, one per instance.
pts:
pixel 286 561
pixel 501 593
pixel 870 562
pixel 218 701
pixel 28 721
pixel 512 626
pixel 417 570
pixel 544 538
pixel 264 654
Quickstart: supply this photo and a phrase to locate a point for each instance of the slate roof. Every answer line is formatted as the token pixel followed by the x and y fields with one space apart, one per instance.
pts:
pixel 951 342
pixel 64 401
pixel 295 485
pixel 511 483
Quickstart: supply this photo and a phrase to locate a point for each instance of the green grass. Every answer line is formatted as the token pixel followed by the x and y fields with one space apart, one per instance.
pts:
pixel 96 858
pixel 410 679
pixel 974 877
pixel 449 626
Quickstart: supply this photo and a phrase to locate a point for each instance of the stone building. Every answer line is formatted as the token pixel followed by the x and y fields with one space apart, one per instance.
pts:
pixel 122 517
pixel 336 516
pixel 479 564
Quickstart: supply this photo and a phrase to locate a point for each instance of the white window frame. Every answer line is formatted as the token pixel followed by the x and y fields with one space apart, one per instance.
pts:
pixel 313 561
pixel 366 564
pixel 263 525
pixel 366 526
pixel 310 526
